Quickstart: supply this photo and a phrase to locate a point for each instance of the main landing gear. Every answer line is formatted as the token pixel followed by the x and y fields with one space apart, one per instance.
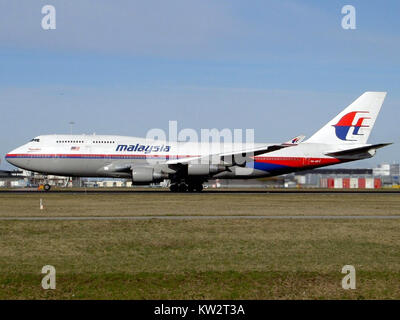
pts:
pixel 183 187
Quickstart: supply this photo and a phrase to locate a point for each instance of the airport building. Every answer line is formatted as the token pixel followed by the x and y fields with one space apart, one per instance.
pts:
pixel 384 175
pixel 338 179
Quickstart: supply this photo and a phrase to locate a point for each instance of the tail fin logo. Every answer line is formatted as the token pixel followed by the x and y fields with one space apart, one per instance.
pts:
pixel 343 126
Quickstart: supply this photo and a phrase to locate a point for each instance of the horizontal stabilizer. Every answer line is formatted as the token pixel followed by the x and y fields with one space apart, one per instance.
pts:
pixel 295 140
pixel 356 151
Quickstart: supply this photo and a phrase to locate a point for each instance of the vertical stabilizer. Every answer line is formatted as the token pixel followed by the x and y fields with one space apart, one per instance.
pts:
pixel 354 124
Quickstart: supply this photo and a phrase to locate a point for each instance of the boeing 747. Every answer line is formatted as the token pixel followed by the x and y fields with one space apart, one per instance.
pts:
pixel 189 165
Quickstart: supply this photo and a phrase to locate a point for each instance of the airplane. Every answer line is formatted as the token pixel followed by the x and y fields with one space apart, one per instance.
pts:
pixel 188 165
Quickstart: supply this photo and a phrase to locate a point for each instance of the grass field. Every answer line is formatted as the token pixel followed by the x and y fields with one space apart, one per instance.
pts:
pixel 200 259
pixel 166 203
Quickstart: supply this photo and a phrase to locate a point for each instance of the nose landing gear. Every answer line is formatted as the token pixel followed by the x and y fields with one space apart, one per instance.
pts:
pixel 44 187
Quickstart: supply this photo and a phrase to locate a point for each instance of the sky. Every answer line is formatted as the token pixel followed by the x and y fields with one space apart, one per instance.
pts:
pixel 282 68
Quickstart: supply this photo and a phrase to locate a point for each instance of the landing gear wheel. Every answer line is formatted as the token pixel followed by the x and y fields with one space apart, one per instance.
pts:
pixel 47 187
pixel 183 187
pixel 199 188
pixel 191 187
pixel 173 187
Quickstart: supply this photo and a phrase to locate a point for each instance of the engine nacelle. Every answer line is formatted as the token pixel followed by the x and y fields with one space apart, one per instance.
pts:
pixel 204 169
pixel 143 175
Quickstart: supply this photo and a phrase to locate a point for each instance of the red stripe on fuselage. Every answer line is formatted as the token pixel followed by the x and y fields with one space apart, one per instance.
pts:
pixel 297 162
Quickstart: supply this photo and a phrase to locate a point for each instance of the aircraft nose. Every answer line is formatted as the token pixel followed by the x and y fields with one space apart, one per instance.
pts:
pixel 11 156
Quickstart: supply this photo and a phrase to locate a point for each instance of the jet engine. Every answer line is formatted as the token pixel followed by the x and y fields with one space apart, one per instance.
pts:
pixel 145 175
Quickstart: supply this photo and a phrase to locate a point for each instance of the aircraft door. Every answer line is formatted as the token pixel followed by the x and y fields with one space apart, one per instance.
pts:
pixel 87 150
pixel 306 159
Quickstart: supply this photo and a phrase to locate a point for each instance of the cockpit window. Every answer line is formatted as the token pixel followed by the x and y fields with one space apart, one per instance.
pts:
pixel 35 140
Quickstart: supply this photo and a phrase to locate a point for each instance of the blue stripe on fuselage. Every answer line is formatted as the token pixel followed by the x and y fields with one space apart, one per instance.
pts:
pixel 266 166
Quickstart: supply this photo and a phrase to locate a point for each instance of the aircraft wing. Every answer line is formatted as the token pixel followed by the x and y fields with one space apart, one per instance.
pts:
pixel 230 157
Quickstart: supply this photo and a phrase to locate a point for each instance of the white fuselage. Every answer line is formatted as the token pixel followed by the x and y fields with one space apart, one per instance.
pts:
pixel 103 156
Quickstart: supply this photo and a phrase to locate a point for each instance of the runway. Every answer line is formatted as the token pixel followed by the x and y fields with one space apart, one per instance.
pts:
pixel 206 191
pixel 310 217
